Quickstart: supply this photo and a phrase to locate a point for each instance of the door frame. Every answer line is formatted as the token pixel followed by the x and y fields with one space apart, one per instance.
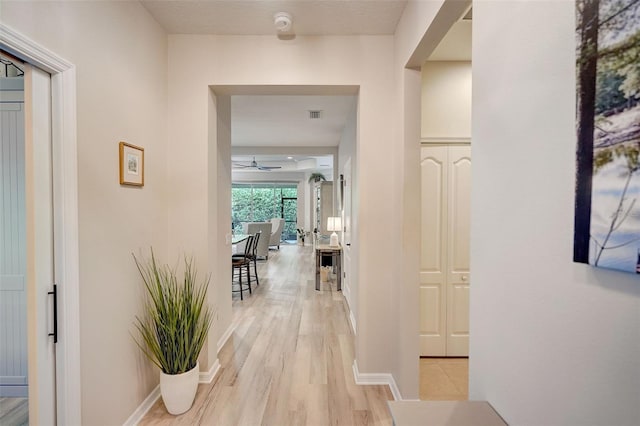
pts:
pixel 65 207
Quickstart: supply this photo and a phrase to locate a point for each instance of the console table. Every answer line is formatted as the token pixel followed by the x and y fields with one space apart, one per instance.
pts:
pixel 336 255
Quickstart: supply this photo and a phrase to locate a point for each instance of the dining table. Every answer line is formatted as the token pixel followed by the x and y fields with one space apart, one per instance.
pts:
pixel 236 238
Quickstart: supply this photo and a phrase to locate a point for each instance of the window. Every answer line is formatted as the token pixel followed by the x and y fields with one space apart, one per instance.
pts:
pixel 259 202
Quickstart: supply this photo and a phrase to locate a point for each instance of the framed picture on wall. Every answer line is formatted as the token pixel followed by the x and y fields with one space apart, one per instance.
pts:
pixel 131 165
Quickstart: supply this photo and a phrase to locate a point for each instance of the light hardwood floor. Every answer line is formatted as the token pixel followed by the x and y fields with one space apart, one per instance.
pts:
pixel 444 379
pixel 289 359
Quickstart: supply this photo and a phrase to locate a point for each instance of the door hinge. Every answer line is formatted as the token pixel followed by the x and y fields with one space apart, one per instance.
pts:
pixel 55 313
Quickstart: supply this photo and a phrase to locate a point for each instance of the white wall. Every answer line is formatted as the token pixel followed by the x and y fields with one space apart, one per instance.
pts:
pixel 419 31
pixel 552 342
pixel 365 61
pixel 121 59
pixel 446 100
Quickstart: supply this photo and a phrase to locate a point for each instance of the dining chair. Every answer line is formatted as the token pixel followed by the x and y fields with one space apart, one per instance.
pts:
pixel 253 254
pixel 241 262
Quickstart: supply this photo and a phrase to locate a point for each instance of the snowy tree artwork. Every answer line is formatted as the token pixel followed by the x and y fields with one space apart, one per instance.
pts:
pixel 607 211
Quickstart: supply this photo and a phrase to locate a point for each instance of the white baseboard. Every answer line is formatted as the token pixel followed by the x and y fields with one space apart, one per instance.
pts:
pixel 207 376
pixel 376 379
pixel 225 336
pixel 142 409
pixel 346 293
pixel 352 321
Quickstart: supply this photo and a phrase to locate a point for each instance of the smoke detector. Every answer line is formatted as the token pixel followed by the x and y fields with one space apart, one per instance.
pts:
pixel 282 21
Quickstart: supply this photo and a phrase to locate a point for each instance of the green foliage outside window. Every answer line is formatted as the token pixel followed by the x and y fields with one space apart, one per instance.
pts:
pixel 261 202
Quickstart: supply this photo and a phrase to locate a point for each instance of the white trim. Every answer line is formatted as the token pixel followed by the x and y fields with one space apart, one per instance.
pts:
pixel 65 192
pixel 225 336
pixel 352 321
pixel 207 376
pixel 29 51
pixel 143 408
pixel 346 292
pixel 445 139
pixel 376 379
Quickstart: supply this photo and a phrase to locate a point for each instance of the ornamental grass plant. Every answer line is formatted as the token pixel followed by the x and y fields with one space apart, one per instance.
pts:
pixel 176 318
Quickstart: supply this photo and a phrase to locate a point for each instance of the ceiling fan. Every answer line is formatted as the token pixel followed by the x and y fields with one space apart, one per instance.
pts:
pixel 254 165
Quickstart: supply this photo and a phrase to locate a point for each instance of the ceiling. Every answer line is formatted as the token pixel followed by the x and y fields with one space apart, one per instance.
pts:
pixel 456 45
pixel 264 121
pixel 288 163
pixel 284 121
pixel 255 17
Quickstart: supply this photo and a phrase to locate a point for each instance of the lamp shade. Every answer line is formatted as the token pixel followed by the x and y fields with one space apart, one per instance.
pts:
pixel 334 223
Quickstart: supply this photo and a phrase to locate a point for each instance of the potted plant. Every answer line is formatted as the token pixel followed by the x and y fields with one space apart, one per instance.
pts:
pixel 301 234
pixel 173 328
pixel 316 177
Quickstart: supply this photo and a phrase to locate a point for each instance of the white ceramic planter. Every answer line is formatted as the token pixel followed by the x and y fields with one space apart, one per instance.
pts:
pixel 179 390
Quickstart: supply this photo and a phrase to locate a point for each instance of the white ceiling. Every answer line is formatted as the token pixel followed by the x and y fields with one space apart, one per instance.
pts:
pixel 288 163
pixel 456 45
pixel 283 121
pixel 251 17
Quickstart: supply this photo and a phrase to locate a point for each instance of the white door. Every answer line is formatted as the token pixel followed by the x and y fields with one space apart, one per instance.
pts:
pixel 444 264
pixel 458 213
pixel 433 166
pixel 39 209
pixel 346 236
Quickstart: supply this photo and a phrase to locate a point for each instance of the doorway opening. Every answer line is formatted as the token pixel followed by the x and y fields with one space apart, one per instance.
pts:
pixel 274 140
pixel 445 169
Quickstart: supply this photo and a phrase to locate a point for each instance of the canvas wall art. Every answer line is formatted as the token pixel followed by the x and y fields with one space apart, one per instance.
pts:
pixel 607 204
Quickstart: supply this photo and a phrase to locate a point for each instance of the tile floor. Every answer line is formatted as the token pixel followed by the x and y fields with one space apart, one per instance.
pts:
pixel 444 379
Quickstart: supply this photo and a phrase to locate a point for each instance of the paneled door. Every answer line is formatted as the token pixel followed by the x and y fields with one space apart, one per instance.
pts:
pixel 444 260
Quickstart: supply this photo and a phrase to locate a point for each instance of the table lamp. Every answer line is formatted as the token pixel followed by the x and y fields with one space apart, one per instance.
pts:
pixel 334 224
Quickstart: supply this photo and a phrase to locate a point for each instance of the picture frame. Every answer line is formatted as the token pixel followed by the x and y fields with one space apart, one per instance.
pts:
pixel 131 165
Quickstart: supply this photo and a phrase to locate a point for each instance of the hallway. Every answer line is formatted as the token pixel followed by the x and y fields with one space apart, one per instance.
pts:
pixel 288 361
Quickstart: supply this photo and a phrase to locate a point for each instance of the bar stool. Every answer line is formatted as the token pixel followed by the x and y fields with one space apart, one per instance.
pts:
pixel 242 262
pixel 253 255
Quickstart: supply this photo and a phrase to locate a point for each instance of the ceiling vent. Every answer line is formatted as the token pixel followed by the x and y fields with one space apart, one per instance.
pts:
pixel 315 115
